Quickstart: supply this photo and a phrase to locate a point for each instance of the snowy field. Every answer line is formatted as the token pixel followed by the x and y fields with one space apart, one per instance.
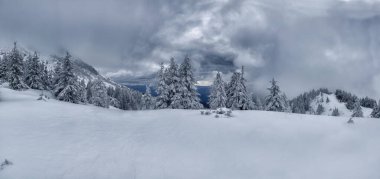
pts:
pixel 60 140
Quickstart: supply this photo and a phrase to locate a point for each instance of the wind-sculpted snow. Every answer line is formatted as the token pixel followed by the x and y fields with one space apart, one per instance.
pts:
pixel 52 139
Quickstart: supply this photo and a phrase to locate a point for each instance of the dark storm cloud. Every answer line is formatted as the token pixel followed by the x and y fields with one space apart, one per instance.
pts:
pixel 304 44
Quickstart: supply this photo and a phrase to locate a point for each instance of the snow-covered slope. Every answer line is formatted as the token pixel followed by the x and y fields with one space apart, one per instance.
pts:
pixel 61 140
pixel 82 70
pixel 332 103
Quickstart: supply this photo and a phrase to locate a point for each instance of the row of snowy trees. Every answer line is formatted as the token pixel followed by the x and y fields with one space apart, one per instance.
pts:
pixel 24 71
pixel 176 88
pixel 234 95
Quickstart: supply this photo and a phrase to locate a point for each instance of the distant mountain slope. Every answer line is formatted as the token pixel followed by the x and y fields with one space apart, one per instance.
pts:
pixel 82 70
pixel 332 103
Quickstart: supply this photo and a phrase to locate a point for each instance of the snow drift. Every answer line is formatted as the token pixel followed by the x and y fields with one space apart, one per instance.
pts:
pixel 52 139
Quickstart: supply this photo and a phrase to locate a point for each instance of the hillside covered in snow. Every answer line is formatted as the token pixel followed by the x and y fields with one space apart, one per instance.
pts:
pixel 53 139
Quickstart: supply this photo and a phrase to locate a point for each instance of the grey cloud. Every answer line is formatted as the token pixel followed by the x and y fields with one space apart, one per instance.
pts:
pixel 304 44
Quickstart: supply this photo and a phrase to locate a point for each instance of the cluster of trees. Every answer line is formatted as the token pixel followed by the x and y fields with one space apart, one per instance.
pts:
pixel 26 71
pixel 234 95
pixel 124 98
pixel 176 87
pixel 23 74
pixel 302 103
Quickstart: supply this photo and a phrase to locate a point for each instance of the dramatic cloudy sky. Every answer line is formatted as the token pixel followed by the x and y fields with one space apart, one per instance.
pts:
pixel 302 43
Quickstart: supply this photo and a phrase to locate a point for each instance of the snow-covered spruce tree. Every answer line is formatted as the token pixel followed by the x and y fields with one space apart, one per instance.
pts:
pixel 320 109
pixel 66 87
pixel 34 74
pixel 99 95
pixel 218 97
pixel 45 76
pixel 111 92
pixel 376 111
pixel 163 100
pixel 16 72
pixel 186 96
pixel 82 89
pixel 147 100
pixel 335 112
pixel 357 111
pixel 174 87
pixel 4 68
pixel 275 101
pixel 237 96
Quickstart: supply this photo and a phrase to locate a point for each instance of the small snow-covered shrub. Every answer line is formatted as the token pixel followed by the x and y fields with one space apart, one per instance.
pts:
pixel 350 121
pixel 43 97
pixel 220 112
pixel 223 110
pixel 5 164
pixel 229 113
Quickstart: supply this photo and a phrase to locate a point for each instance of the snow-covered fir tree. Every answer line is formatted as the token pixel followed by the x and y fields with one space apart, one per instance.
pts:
pixel 82 90
pixel 237 95
pixel 218 97
pixel 376 111
pixel 34 74
pixel 320 109
pixel 99 95
pixel 148 101
pixel 173 83
pixel 66 87
pixel 16 72
pixel 275 101
pixel 162 100
pixel 335 112
pixel 45 76
pixel 186 95
pixel 4 68
pixel 357 111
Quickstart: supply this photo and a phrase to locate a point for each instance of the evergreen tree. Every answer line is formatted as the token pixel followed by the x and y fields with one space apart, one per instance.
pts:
pixel 163 100
pixel 186 96
pixel 34 74
pixel 4 68
pixel 99 95
pixel 376 111
pixel 237 96
pixel 320 109
pixel 218 97
pixel 173 81
pixel 147 100
pixel 335 112
pixel 16 69
pixel 357 111
pixel 275 101
pixel 66 87
pixel 45 76
pixel 82 90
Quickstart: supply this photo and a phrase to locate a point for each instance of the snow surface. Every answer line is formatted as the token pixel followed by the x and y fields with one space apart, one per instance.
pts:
pixel 52 139
pixel 334 103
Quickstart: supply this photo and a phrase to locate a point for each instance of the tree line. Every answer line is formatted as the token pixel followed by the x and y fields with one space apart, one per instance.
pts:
pixel 176 88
